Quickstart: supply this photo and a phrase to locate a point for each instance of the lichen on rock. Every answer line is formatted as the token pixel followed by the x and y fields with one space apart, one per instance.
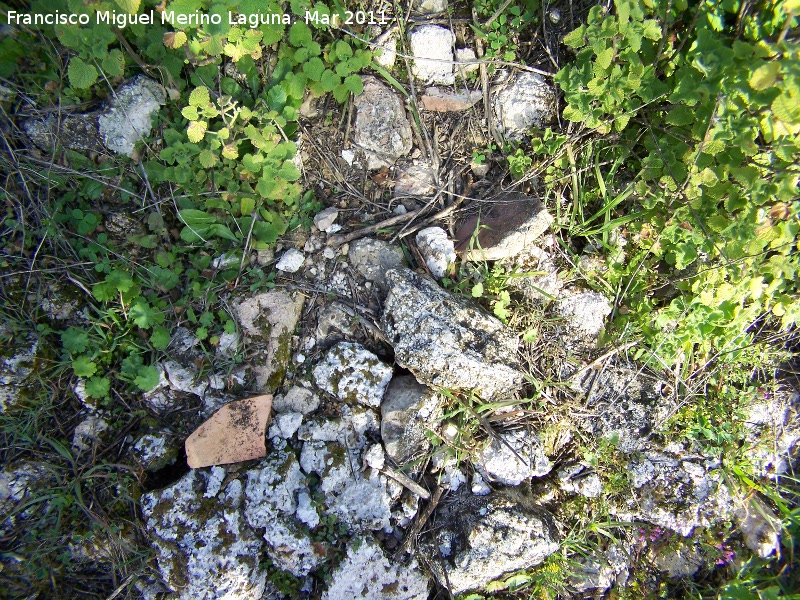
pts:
pixel 352 373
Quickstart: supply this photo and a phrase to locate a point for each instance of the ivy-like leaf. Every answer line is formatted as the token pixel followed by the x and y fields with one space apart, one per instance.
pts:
pixel 354 84
pixel 196 131
pixel 314 69
pixel 174 39
pixel 299 34
pixel 74 340
pixel 576 39
pixel 160 338
pixel 97 387
pixel 147 378
pixel 114 63
pixel 199 97
pixel 207 159
pixel 144 315
pixel 329 80
pixel 81 75
pixel 765 76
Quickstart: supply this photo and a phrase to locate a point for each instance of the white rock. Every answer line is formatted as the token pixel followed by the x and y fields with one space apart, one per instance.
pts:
pixel 325 219
pixel 154 451
pixel 371 258
pixel 437 249
pixel 760 527
pixel 306 512
pixel 368 573
pixel 349 156
pixel 14 368
pixel 374 457
pixel 499 463
pixel 429 7
pixel 387 43
pixel 574 479
pixel 479 486
pixel 408 411
pixel 88 432
pixel 585 313
pixel 285 425
pixel 432 48
pixel 468 62
pixel 525 101
pixel 129 118
pixel 414 180
pixel 297 400
pixel 184 379
pixel 228 343
pixel 353 374
pixel 291 261
pixel 225 260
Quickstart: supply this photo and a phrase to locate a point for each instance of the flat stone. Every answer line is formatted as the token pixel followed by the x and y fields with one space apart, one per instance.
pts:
pixel 270 319
pixel 524 101
pixel 296 400
pixel 436 249
pixel 387 43
pixel 381 127
pixel 432 49
pixel 476 539
pixel 353 374
pixel 429 7
pixel 445 340
pixel 372 258
pixel 436 100
pixel 585 313
pixel 512 224
pixel 409 409
pixel 512 465
pixel 234 433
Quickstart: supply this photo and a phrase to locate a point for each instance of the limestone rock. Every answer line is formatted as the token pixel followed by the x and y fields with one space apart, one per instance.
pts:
pixel 296 400
pixel 432 49
pixel 234 433
pixel 125 120
pixel 15 366
pixel 291 261
pixel 760 527
pixel 387 43
pixel 381 127
pixel 525 101
pixel 129 118
pixel 585 313
pixel 367 573
pixel 476 539
pixel 500 463
pixel 206 549
pixel 270 318
pixel 372 258
pixel 326 220
pixel 436 249
pixel 88 432
pixel 408 410
pixel 513 223
pixel 353 374
pixel 466 62
pixel 417 179
pixel 155 451
pixel 445 340
pixel 429 7
pixel 680 562
pixel 577 479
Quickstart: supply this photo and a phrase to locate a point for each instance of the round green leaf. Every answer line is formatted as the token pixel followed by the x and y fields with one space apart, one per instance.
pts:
pixel 81 75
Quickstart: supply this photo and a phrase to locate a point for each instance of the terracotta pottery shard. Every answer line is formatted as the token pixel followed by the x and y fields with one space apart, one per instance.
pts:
pixel 236 432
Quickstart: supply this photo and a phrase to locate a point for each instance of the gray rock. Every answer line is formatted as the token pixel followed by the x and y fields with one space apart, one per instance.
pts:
pixel 445 340
pixel 270 319
pixel 477 539
pixel 674 493
pixel 296 400
pixel 414 180
pixel 381 128
pixel 206 549
pixel 129 118
pixel 352 373
pixel 681 562
pixel 16 364
pixel 19 482
pixel 512 225
pixel 432 49
pixel 118 127
pixel 760 527
pixel 628 403
pixel 366 572
pixel 325 220
pixel 88 432
pixel 512 465
pixel 577 479
pixel 429 7
pixel 525 101
pixel 601 571
pixel 372 258
pixel 773 430
pixel 437 250
pixel 291 261
pixel 285 425
pixel 408 410
pixel 155 451
pixel 585 313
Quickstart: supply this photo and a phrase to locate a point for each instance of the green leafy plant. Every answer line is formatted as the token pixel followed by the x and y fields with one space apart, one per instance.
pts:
pixel 504 22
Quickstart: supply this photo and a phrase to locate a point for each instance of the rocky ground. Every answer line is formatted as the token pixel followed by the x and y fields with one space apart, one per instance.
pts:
pixel 418 446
